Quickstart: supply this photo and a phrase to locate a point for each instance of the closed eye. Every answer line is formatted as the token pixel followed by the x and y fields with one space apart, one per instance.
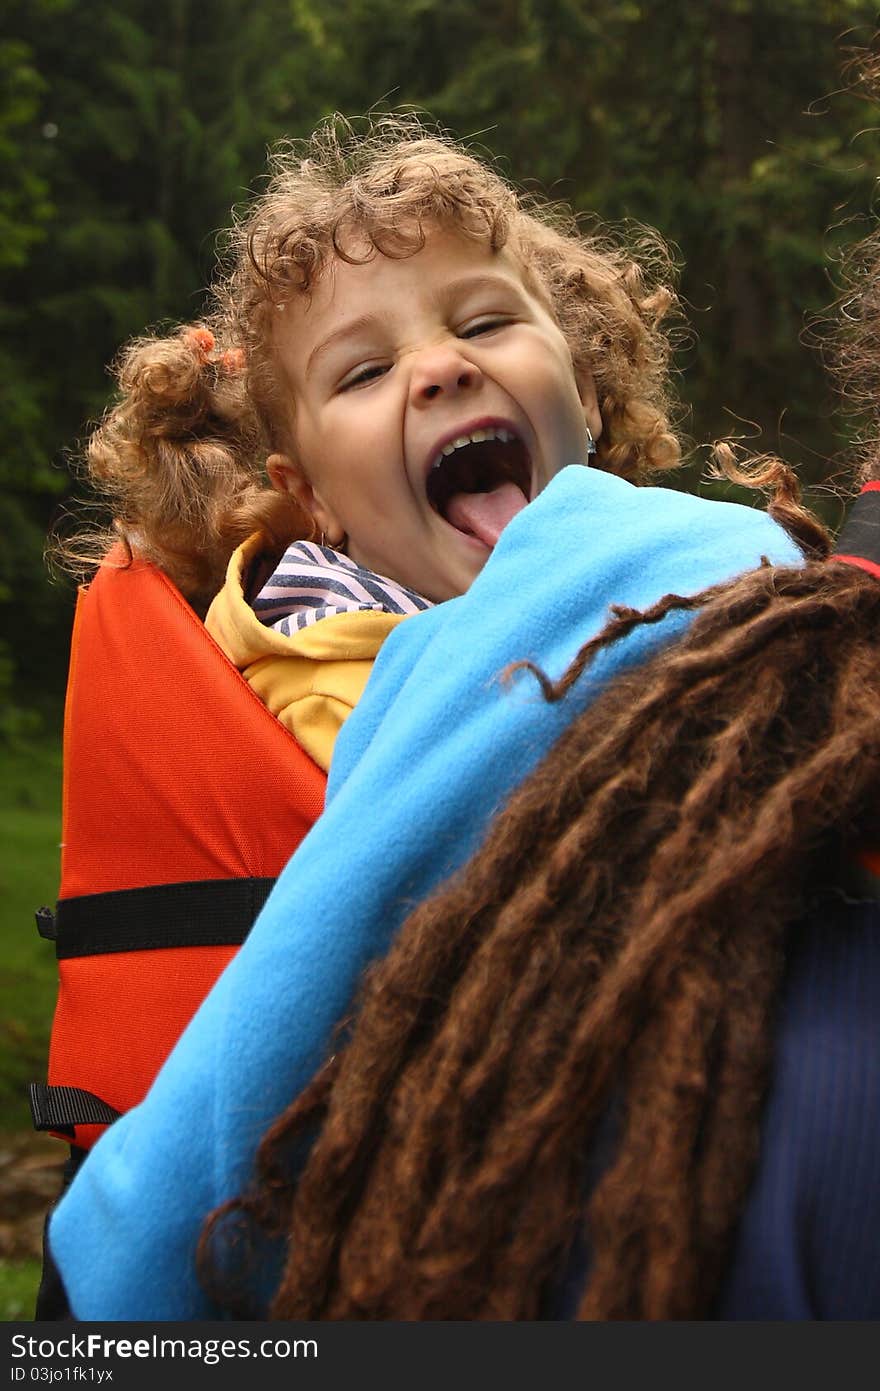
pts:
pixel 481 326
pixel 363 376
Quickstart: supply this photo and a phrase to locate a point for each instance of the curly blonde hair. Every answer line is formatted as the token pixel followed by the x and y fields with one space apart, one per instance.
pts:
pixel 180 457
pixel 856 350
pixel 851 345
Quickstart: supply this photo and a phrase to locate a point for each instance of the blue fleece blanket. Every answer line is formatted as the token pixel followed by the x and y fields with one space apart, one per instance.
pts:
pixel 434 748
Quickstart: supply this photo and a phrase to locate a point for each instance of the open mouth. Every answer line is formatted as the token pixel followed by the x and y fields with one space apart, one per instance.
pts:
pixel 480 481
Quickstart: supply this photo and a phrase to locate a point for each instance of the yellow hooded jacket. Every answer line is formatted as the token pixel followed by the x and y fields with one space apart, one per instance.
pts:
pixel 311 680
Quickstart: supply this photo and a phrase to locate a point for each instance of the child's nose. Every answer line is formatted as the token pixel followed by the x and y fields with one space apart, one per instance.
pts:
pixel 442 370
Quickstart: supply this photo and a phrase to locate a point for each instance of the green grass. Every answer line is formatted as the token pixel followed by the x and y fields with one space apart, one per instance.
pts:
pixel 19 1281
pixel 30 832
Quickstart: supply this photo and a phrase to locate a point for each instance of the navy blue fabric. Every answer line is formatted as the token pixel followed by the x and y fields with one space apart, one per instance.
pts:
pixel 808 1243
pixel 808 1246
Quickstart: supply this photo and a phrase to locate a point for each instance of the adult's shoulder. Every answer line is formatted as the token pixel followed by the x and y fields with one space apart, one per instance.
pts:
pixel 808 1246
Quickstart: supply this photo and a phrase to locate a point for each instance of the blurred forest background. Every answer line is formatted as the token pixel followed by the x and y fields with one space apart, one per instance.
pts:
pixel 127 132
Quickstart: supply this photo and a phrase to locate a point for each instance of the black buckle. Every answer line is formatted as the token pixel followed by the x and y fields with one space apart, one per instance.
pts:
pixel 46 927
pixel 62 1108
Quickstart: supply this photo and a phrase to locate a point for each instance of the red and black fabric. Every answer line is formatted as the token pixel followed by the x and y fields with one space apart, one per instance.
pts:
pixel 183 799
pixel 859 540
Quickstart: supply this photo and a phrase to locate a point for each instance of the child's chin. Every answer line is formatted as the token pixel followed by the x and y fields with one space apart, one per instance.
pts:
pixel 467 573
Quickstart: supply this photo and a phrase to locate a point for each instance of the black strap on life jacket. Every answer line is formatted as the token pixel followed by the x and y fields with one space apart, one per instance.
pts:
pixel 206 913
pixel 61 1108
pixel 210 912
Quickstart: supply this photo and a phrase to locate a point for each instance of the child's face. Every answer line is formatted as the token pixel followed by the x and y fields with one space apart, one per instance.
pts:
pixel 395 367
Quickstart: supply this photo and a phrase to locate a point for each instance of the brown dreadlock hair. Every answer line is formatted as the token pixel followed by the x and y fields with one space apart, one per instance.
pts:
pixel 614 949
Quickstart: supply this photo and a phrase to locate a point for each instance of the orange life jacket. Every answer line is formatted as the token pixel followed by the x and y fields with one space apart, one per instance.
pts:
pixel 183 798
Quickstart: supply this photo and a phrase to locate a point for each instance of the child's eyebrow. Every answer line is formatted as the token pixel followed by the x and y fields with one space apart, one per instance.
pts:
pixel 466 284
pixel 347 330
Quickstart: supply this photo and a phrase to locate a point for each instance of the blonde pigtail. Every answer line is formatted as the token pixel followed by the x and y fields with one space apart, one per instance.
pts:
pixel 179 461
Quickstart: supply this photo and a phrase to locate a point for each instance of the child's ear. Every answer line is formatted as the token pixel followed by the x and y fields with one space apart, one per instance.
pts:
pixel 288 476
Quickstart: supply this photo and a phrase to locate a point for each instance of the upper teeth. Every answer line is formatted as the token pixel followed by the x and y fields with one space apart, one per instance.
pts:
pixel 476 437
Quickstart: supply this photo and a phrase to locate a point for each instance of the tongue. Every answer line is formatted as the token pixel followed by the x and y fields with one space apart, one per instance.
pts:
pixel 485 515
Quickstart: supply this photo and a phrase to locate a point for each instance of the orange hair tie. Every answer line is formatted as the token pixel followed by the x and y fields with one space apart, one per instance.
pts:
pixel 202 339
pixel 232 361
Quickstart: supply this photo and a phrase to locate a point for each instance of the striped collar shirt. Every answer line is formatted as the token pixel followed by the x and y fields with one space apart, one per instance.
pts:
pixel 313 582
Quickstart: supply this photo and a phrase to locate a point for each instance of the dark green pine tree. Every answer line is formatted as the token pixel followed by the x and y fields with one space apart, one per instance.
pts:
pixel 27 483
pixel 136 127
pixel 724 125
